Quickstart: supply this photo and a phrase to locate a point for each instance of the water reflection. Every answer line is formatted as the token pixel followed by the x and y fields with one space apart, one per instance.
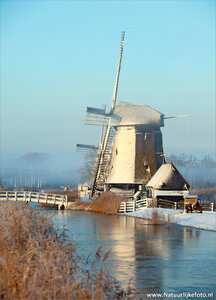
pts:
pixel 155 258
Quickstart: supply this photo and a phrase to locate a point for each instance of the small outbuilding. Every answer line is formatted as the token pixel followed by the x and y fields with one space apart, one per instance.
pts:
pixel 167 183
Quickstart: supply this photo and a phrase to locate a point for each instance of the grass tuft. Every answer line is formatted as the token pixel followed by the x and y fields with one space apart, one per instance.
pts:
pixel 159 218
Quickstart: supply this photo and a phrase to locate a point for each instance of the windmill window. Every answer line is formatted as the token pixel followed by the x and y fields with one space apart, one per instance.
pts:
pixel 147 168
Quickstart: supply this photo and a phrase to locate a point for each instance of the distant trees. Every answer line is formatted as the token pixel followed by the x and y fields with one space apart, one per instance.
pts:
pixel 35 157
pixel 182 160
pixel 86 170
pixel 199 172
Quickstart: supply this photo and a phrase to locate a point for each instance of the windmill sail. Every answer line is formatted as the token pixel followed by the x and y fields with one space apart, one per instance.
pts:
pixel 93 110
pixel 95 116
pixel 181 116
pixel 101 168
pixel 83 147
pixel 117 75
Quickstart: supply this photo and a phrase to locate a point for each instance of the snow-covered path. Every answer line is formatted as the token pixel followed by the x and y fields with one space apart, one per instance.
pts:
pixel 206 220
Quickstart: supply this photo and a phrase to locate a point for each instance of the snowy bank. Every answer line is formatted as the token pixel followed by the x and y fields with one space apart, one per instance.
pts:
pixel 206 220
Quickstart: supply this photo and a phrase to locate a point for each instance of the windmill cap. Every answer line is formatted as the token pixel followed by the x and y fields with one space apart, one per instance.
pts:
pixel 136 114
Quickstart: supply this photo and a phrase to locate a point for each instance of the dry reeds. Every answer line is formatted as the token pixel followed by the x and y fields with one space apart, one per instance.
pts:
pixel 159 218
pixel 107 203
pixel 72 195
pixel 38 262
pixel 79 205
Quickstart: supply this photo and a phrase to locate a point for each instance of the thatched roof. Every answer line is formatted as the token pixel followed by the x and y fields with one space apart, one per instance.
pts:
pixel 168 177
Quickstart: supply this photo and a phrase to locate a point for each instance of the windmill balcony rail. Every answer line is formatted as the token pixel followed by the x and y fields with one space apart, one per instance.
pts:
pixel 27 196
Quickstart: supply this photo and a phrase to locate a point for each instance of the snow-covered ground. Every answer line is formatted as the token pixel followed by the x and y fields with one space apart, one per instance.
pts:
pixel 206 220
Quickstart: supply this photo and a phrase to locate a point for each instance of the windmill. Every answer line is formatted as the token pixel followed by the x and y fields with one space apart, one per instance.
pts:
pixel 130 147
pixel 65 187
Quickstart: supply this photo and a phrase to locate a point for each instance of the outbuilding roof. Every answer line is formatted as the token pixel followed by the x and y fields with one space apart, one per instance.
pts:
pixel 136 114
pixel 168 177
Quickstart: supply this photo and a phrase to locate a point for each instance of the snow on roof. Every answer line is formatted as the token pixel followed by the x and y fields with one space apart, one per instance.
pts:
pixel 168 177
pixel 136 114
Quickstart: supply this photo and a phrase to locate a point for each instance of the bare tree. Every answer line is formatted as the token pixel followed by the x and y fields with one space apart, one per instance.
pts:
pixel 86 170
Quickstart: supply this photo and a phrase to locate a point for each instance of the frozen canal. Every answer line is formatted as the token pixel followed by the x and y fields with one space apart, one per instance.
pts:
pixel 155 258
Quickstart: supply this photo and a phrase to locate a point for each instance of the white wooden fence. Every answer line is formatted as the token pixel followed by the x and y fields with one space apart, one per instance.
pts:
pixel 38 197
pixel 134 205
pixel 207 205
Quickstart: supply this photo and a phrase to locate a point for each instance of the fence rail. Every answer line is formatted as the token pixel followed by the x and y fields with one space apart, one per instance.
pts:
pixel 167 203
pixel 38 197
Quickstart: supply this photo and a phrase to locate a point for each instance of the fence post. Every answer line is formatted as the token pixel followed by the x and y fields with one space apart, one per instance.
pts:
pixel 176 205
pixel 157 202
pixel 125 207
pixel 212 206
pixel 16 196
pixel 6 195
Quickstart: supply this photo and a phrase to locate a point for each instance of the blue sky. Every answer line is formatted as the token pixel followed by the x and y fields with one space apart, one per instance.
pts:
pixel 57 57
